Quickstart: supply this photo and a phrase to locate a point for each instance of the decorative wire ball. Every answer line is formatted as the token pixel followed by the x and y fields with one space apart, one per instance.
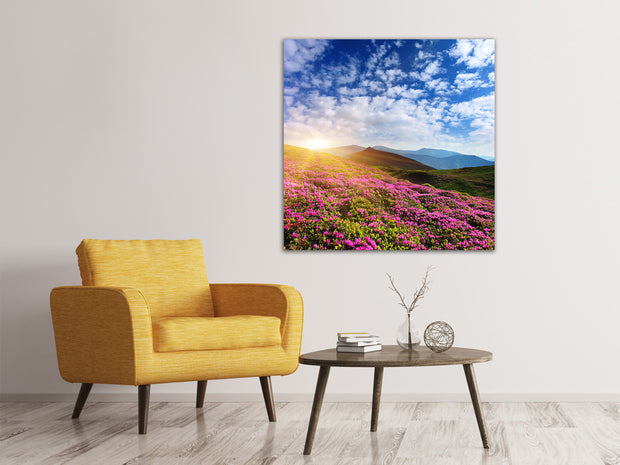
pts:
pixel 439 336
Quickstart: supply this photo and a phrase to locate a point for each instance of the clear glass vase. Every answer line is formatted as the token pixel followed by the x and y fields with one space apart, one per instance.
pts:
pixel 408 335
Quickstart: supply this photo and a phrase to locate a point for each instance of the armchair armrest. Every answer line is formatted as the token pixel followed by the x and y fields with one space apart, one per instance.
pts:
pixel 284 302
pixel 101 333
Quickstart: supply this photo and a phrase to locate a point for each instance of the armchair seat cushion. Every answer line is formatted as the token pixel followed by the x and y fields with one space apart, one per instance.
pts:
pixel 175 334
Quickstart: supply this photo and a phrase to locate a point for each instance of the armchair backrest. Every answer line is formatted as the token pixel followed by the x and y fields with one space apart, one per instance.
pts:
pixel 170 274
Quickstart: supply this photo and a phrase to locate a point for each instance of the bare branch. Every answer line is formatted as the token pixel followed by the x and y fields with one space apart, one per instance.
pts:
pixel 393 288
pixel 417 295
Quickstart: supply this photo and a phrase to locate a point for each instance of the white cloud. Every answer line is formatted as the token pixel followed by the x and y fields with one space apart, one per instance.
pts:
pixel 373 86
pixel 342 74
pixel 404 92
pixel 395 74
pixel 492 77
pixel 476 108
pixel 461 50
pixel 297 53
pixel 381 74
pixel 296 113
pixel 480 112
pixel 324 104
pixel 324 77
pixel 384 66
pixel 422 55
pixel 390 75
pixel 368 120
pixel 438 85
pixel 372 101
pixel 392 60
pixel 348 91
pixel 474 53
pixel 467 80
pixel 413 93
pixel 395 121
pixel 320 81
pixel 395 91
pixel 374 58
pixel 485 129
pixel 431 69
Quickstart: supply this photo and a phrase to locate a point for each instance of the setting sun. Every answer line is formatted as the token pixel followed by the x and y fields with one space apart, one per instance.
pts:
pixel 316 144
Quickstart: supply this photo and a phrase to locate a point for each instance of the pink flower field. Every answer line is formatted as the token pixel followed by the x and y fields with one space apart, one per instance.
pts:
pixel 332 203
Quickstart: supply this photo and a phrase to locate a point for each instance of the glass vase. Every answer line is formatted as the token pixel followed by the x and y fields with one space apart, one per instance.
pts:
pixel 408 335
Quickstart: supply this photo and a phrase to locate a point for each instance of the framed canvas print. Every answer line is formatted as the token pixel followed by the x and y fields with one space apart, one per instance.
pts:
pixel 389 144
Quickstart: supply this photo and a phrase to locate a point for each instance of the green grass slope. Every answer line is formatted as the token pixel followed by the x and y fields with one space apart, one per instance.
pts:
pixel 478 181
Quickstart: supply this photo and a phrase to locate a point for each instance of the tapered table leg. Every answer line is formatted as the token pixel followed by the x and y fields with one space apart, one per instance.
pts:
pixel 316 407
pixel 475 400
pixel 376 398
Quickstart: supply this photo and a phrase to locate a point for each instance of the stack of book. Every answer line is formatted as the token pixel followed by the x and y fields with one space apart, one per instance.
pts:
pixel 358 342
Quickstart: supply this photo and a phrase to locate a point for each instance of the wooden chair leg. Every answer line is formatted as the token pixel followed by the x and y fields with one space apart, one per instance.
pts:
pixel 265 384
pixel 144 393
pixel 200 394
pixel 81 400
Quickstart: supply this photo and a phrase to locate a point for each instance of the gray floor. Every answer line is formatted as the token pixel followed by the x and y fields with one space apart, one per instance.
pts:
pixel 239 433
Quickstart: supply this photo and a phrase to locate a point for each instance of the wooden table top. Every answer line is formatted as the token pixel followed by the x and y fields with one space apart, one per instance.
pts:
pixel 394 356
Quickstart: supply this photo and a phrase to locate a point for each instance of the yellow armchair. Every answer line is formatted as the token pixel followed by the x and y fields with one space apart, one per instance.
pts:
pixel 146 314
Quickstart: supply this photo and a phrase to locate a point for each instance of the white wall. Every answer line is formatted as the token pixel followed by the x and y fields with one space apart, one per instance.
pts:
pixel 163 120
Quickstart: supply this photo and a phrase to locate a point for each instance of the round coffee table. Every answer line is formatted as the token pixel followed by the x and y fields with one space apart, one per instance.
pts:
pixel 392 356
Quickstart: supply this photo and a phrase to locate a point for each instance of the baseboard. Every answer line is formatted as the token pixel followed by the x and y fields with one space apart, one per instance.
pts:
pixel 307 397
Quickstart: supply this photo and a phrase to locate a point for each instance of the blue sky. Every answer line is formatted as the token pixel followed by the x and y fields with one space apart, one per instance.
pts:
pixel 405 94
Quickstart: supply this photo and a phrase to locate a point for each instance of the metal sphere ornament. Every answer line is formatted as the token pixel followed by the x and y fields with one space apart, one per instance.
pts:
pixel 439 336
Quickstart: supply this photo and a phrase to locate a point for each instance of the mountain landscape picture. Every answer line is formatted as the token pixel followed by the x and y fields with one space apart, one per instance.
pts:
pixel 389 144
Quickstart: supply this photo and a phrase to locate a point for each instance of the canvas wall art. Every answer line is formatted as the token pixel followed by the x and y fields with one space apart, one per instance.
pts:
pixel 389 144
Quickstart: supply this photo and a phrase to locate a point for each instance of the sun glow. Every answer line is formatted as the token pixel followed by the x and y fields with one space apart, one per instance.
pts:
pixel 316 144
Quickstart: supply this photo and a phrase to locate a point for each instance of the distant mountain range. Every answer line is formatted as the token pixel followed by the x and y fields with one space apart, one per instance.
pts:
pixel 440 159
pixel 428 158
pixel 374 157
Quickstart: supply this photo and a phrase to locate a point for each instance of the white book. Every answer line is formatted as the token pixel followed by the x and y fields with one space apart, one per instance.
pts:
pixel 354 334
pixel 367 338
pixel 356 343
pixel 362 349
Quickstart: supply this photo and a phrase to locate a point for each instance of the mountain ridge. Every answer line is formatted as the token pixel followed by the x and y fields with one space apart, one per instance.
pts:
pixel 341 150
pixel 438 158
pixel 430 158
pixel 373 157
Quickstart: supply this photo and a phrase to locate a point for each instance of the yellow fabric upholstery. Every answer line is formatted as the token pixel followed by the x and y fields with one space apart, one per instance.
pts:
pixel 223 333
pixel 104 330
pixel 97 331
pixel 170 274
pixel 285 302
